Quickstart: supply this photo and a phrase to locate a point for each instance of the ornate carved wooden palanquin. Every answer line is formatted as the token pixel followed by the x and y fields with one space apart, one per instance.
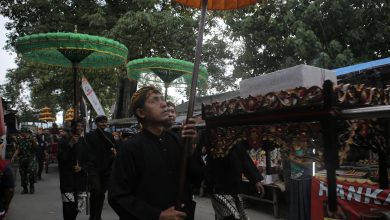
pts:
pixel 276 116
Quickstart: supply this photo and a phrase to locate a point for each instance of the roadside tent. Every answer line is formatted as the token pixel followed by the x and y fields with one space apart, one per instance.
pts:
pixel 374 73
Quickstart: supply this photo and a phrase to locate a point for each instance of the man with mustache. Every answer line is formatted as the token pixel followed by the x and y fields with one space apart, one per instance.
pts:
pixel 145 175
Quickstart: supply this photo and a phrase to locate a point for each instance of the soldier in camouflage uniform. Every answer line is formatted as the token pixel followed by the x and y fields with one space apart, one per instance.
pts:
pixel 27 159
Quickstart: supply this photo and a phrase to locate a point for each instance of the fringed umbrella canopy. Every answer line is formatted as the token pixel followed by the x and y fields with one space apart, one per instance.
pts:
pixel 46 115
pixel 47 119
pixel 62 49
pixel 219 4
pixel 69 115
pixel 45 109
pixel 167 69
pixel 72 50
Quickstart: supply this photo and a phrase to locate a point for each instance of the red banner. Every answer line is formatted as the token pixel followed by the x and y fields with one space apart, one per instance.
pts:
pixel 354 200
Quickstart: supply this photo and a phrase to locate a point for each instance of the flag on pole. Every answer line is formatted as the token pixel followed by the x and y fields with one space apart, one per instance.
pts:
pixel 91 95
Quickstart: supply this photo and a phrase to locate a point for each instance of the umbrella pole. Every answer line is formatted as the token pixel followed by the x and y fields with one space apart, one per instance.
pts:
pixel 190 111
pixel 198 54
pixel 75 66
pixel 166 90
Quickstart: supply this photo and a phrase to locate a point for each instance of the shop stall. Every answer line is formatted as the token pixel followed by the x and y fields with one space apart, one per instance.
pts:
pixel 318 115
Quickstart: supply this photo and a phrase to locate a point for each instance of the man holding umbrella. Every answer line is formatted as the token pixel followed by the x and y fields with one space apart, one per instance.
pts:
pixel 103 151
pixel 145 176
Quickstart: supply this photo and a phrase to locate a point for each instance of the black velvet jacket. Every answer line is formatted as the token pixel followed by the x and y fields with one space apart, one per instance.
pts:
pixel 224 175
pixel 67 158
pixel 144 180
pixel 101 143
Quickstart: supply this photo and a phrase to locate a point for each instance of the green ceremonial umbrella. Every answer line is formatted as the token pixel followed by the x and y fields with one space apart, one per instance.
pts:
pixel 72 50
pixel 167 69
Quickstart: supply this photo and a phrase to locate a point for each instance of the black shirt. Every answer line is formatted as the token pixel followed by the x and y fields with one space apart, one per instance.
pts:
pixel 67 158
pixel 42 145
pixel 224 175
pixel 101 143
pixel 145 175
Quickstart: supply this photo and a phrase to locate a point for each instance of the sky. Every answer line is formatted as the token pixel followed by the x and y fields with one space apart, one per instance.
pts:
pixel 6 58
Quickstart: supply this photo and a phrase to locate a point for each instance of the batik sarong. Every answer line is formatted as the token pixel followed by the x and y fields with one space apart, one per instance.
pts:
pixel 228 205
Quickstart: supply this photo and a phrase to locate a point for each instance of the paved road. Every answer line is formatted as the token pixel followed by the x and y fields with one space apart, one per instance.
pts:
pixel 46 204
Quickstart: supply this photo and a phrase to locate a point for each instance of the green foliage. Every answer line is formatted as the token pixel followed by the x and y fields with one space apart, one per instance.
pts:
pixel 140 24
pixel 254 40
pixel 216 52
pixel 323 33
pixel 157 34
pixel 53 86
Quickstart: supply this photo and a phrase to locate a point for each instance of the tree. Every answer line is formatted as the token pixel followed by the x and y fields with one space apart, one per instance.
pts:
pixel 323 33
pixel 50 85
pixel 139 24
pixel 267 37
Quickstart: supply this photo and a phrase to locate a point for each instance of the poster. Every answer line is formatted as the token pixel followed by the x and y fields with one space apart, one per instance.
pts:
pixel 353 198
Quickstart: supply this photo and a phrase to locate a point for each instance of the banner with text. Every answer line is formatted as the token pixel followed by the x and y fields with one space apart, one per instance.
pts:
pixel 92 98
pixel 353 200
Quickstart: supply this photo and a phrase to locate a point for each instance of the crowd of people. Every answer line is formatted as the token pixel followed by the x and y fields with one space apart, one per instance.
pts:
pixel 146 172
pixel 27 152
pixel 139 169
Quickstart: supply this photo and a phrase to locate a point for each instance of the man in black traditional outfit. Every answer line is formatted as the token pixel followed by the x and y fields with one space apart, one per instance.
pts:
pixel 224 171
pixel 103 151
pixel 73 162
pixel 145 176
pixel 41 152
